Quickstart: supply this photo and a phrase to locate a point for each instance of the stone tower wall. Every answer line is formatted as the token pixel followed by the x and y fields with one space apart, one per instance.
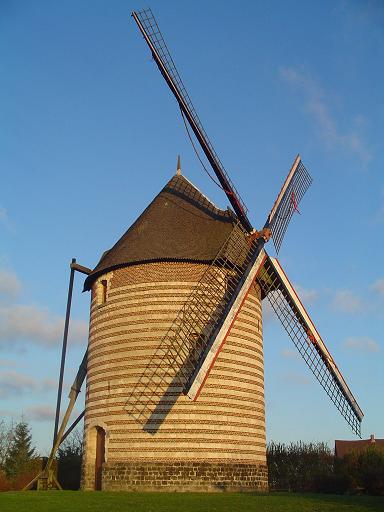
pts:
pixel 215 443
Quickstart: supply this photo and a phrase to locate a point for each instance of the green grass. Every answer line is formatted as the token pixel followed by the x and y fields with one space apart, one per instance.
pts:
pixel 68 501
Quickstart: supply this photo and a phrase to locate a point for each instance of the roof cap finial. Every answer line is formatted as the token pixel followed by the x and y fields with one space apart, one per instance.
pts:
pixel 178 170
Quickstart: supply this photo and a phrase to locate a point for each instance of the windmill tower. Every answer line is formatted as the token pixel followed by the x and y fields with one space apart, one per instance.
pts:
pixel 141 352
pixel 174 365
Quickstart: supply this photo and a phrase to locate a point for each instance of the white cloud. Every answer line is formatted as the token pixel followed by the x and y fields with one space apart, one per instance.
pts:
pixel 296 379
pixel 40 413
pixel 4 219
pixel 49 384
pixel 10 285
pixel 13 383
pixel 378 286
pixel 8 363
pixel 267 311
pixel 379 216
pixel 6 412
pixel 19 322
pixel 36 325
pixel 362 344
pixel 3 215
pixel 316 104
pixel 290 354
pixel 307 296
pixel 347 302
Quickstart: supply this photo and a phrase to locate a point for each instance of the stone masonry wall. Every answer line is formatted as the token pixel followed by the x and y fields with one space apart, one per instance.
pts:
pixel 184 476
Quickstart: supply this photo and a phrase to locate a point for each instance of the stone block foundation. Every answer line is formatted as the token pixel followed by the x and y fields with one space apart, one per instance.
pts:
pixel 184 477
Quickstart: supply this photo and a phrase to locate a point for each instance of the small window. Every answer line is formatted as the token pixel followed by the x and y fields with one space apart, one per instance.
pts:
pixel 104 285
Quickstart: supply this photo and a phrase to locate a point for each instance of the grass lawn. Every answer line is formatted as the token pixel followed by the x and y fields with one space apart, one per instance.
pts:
pixel 76 501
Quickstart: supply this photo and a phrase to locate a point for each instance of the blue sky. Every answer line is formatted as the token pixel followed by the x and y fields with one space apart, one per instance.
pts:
pixel 90 133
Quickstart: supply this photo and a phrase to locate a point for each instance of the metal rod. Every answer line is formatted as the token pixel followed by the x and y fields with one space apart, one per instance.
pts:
pixel 69 430
pixel 64 349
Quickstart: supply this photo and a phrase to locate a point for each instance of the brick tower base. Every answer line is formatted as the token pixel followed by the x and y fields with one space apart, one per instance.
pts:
pixel 184 477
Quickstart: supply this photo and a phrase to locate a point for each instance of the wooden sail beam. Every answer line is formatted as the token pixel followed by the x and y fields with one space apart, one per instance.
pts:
pixel 154 39
pixel 219 337
pixel 288 307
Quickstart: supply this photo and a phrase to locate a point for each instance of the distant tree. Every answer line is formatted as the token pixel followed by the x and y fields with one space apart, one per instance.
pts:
pixel 69 457
pixel 313 467
pixel 371 470
pixel 6 435
pixel 20 452
pixel 366 468
pixel 298 466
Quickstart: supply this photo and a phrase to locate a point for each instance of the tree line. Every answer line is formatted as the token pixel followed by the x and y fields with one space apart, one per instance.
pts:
pixel 297 467
pixel 20 462
pixel 313 467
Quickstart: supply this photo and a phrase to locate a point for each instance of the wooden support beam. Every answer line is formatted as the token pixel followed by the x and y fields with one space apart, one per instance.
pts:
pixel 80 268
pixel 47 474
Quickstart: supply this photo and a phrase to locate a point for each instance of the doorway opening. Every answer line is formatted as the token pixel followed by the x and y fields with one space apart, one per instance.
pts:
pixel 100 457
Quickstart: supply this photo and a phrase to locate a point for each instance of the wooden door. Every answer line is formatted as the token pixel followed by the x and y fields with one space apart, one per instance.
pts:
pixel 100 456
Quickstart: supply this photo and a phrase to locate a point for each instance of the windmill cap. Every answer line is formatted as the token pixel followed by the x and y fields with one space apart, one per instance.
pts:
pixel 180 224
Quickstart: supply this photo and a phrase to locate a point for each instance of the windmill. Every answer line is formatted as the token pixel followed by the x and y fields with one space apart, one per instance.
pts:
pixel 257 265
pixel 174 365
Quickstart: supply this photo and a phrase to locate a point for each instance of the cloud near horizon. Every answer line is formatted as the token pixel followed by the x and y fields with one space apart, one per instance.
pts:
pixel 31 323
pixel 13 383
pixel 36 325
pixel 40 413
pixel 317 106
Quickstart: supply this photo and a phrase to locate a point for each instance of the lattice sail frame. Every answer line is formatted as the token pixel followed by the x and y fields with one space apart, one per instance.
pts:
pixel 181 350
pixel 296 321
pixel 296 184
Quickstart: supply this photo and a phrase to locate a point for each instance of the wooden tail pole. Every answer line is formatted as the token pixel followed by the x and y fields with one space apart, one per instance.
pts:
pixel 46 479
pixel 75 390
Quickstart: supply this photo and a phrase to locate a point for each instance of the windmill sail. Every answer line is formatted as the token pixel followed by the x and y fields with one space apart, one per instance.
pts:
pixel 152 35
pixel 209 356
pixel 296 183
pixel 291 193
pixel 296 321
pixel 189 349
